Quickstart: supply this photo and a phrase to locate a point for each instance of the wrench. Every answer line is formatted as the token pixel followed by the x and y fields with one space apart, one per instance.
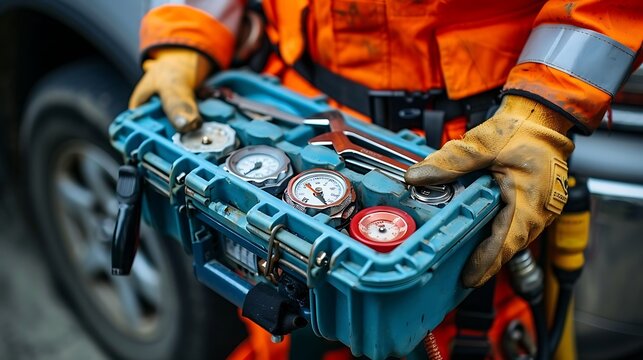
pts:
pixel 340 136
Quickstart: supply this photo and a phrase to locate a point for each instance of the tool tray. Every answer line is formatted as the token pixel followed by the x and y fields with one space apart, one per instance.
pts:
pixel 378 304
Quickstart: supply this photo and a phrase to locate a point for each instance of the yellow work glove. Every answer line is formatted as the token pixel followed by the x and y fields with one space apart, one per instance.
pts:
pixel 525 148
pixel 173 74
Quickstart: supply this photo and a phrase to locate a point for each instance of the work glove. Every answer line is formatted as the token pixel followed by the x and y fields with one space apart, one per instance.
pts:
pixel 525 148
pixel 173 74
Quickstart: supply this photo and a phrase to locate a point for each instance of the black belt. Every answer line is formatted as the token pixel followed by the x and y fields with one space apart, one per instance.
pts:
pixel 476 315
pixel 398 109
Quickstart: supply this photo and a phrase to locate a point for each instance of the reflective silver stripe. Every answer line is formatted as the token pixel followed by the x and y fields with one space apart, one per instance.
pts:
pixel 581 53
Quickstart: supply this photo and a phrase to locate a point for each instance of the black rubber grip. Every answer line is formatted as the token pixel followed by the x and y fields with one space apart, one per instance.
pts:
pixel 126 232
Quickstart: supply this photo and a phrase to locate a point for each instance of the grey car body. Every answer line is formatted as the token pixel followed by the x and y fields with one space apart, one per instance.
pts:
pixel 37 36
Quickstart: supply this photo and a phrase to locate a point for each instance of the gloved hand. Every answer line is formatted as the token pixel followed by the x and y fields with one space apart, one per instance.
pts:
pixel 173 74
pixel 524 147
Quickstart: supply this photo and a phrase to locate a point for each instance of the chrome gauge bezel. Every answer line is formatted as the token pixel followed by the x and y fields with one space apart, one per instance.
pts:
pixel 274 183
pixel 436 195
pixel 197 141
pixel 341 209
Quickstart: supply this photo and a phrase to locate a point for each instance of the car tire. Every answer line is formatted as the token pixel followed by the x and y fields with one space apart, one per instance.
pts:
pixel 69 171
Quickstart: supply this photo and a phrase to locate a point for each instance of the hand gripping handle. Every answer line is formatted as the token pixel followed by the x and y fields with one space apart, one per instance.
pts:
pixel 126 233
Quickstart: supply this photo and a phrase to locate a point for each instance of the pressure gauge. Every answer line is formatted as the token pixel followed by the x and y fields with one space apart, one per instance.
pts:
pixel 322 191
pixel 436 195
pixel 381 227
pixel 215 139
pixel 263 166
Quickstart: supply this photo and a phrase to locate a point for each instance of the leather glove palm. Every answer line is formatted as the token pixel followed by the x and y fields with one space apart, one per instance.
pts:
pixel 173 74
pixel 524 147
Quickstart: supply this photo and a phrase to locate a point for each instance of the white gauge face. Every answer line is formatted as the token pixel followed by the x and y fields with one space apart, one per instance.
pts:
pixel 263 166
pixel 320 189
pixel 257 166
pixel 383 227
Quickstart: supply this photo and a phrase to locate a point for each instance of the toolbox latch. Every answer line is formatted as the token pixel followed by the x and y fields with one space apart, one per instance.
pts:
pixel 272 311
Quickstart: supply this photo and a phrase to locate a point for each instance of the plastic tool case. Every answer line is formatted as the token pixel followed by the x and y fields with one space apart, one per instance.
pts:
pixel 378 304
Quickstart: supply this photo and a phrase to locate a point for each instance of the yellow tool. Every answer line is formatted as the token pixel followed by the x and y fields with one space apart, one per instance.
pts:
pixel 568 237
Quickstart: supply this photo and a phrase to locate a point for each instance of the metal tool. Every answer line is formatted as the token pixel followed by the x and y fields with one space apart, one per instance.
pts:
pixel 322 191
pixel 365 167
pixel 381 227
pixel 215 139
pixel 340 136
pixel 264 166
pixel 251 108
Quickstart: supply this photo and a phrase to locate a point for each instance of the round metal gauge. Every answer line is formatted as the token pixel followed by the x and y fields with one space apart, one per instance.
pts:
pixel 216 139
pixel 322 190
pixel 263 166
pixel 436 195
pixel 381 227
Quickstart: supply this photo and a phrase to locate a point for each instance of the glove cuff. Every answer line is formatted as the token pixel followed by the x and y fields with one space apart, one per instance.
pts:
pixel 530 110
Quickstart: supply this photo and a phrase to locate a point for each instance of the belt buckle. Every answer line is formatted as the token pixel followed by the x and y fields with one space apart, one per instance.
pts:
pixel 397 109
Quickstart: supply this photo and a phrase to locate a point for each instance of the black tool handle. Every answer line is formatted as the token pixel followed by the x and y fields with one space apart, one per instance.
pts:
pixel 126 232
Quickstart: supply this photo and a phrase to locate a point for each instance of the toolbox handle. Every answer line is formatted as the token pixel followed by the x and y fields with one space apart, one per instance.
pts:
pixel 126 236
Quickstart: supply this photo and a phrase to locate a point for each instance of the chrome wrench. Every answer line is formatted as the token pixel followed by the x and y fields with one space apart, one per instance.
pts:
pixel 340 136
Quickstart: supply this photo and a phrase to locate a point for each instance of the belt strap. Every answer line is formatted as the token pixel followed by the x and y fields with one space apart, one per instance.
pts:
pixel 433 127
pixel 398 109
pixel 341 89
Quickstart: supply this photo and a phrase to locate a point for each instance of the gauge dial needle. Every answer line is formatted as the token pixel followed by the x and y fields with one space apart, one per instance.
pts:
pixel 316 194
pixel 257 166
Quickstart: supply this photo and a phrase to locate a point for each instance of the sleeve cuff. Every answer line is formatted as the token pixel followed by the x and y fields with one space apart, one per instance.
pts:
pixel 583 104
pixel 185 26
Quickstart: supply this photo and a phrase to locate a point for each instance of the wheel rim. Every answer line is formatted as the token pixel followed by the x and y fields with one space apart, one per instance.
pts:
pixel 85 207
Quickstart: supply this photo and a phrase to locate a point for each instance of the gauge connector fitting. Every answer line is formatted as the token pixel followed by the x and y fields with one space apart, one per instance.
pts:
pixel 527 278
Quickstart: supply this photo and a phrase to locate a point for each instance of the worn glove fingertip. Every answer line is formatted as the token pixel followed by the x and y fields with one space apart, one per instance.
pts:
pixel 183 124
pixel 425 173
pixel 181 109
pixel 418 174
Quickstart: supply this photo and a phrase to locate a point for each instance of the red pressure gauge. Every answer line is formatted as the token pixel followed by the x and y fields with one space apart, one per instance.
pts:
pixel 381 227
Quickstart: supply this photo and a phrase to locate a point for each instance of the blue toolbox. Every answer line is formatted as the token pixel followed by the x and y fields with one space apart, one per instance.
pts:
pixel 299 215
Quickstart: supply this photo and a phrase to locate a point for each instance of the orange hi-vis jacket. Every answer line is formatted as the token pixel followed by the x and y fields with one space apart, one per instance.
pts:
pixel 578 54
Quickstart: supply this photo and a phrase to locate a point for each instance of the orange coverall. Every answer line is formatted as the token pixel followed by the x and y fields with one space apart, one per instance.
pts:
pixel 465 47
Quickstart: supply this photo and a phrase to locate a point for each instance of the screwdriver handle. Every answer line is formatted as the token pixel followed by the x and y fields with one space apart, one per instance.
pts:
pixel 126 232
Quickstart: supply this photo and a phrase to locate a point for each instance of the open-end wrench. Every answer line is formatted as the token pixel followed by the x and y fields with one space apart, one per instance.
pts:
pixel 340 136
